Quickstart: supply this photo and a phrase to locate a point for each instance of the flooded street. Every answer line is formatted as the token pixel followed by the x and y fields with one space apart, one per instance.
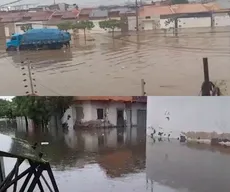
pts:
pixel 169 65
pixel 120 160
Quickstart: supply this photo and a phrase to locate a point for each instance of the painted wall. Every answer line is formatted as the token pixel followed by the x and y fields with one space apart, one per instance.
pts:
pixel 35 25
pixel 194 22
pixel 197 114
pixel 90 111
pixel 222 20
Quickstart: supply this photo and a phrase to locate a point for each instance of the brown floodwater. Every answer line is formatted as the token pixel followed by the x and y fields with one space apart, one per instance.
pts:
pixel 170 65
pixel 124 160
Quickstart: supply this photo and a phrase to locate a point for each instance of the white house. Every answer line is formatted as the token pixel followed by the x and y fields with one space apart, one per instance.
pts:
pixel 193 116
pixel 115 110
pixel 221 18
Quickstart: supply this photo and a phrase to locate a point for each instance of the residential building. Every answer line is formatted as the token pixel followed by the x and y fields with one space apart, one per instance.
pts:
pixel 97 15
pixel 116 111
pixel 181 16
pixel 13 21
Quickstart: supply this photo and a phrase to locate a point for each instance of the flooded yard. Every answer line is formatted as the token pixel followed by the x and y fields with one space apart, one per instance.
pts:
pixel 169 65
pixel 123 160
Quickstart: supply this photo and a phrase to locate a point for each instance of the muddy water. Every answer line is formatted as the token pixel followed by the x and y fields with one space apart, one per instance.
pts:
pixel 118 160
pixel 170 65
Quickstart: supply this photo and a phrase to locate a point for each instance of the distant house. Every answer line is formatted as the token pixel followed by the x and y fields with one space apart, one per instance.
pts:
pixel 117 111
pixel 13 21
pixel 183 15
pixel 97 15
pixel 84 13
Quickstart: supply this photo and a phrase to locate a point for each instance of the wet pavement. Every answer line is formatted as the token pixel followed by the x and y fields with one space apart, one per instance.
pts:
pixel 170 65
pixel 120 160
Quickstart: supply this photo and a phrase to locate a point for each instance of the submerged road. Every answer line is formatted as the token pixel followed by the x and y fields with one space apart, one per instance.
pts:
pixel 118 160
pixel 170 65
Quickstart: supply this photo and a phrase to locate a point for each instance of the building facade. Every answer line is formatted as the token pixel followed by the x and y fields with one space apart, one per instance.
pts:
pixel 116 111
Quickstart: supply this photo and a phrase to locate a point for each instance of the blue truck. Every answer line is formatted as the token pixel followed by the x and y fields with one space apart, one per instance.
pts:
pixel 35 39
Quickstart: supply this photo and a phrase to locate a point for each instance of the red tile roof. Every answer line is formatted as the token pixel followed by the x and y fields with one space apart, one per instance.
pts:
pixel 151 10
pixel 38 16
pixel 103 98
pixel 86 11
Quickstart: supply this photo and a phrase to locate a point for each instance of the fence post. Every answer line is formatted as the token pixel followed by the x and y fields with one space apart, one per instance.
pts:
pixel 143 93
pixel 2 170
pixel 206 84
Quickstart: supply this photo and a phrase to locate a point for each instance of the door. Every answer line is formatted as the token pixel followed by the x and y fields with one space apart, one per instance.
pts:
pixel 120 118
pixel 141 118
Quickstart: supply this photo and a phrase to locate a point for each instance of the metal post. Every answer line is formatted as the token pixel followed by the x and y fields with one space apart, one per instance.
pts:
pixel 143 93
pixel 2 170
pixel 30 78
pixel 137 22
pixel 206 84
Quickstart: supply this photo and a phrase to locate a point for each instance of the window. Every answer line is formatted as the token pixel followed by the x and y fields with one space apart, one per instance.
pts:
pixel 100 114
pixel 13 38
pixel 147 17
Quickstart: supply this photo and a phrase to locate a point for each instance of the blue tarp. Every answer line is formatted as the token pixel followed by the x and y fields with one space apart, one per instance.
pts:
pixel 42 35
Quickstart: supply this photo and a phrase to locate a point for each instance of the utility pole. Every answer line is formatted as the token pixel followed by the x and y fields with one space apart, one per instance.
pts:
pixel 137 12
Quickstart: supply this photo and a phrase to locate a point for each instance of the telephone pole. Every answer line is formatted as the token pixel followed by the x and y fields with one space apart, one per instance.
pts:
pixel 137 12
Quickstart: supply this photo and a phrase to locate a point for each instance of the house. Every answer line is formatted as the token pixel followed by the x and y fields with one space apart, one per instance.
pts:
pixel 221 18
pixel 13 21
pixel 182 16
pixel 84 13
pixel 126 15
pixel 97 15
pixel 114 111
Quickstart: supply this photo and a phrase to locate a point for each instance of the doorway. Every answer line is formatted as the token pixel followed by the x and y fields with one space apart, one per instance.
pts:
pixel 120 118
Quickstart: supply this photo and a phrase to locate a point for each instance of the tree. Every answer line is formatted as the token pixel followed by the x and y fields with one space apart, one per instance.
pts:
pixel 26 27
pixel 111 24
pixel 179 2
pixel 6 109
pixel 83 25
pixel 40 109
pixel 65 26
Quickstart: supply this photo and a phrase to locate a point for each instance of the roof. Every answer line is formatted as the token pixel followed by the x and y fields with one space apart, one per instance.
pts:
pixel 86 11
pixel 151 10
pixel 103 98
pixel 141 99
pixel 97 13
pixel 38 16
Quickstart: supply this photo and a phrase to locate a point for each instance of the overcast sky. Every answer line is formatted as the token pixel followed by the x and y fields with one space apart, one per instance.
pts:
pixel 189 113
pixel 6 97
pixel 225 3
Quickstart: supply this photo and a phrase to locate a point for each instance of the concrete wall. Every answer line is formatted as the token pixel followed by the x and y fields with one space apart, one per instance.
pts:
pixel 195 116
pixel 194 22
pixel 222 20
pixel 90 111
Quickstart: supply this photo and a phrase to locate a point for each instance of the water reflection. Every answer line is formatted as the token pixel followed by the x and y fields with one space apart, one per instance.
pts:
pixel 117 63
pixel 120 160
pixel 187 167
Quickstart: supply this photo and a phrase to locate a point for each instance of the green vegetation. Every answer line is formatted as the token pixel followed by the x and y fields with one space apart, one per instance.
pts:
pixel 38 109
pixel 111 24
pixel 179 2
pixel 83 25
pixel 65 26
pixel 26 27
